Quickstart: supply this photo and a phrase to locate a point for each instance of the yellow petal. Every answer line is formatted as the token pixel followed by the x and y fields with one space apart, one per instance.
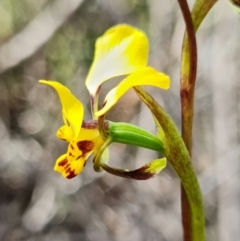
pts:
pixel 65 133
pixel 146 76
pixel 71 106
pixel 79 150
pixel 88 134
pixel 69 169
pixel 121 50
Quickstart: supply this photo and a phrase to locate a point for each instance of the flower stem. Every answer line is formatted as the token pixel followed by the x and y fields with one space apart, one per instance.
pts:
pixel 188 79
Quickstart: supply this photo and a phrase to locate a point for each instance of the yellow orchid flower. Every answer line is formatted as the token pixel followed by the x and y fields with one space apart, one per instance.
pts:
pixel 84 138
pixel 121 50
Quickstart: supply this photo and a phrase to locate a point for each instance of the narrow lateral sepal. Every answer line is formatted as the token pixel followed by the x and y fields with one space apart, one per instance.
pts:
pixel 143 173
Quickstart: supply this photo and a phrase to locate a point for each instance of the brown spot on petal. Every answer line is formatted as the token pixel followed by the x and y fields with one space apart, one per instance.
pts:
pixel 71 174
pixel 67 168
pixel 85 146
pixel 63 162
pixel 70 154
pixel 72 147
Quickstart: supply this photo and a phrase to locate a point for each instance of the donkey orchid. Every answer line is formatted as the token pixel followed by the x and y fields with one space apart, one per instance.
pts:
pixel 122 50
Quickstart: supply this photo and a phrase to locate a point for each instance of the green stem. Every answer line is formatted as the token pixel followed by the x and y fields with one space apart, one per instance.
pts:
pixel 188 65
pixel 188 79
pixel 179 158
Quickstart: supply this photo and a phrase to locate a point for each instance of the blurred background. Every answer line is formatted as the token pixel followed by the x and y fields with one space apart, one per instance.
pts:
pixel 54 39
